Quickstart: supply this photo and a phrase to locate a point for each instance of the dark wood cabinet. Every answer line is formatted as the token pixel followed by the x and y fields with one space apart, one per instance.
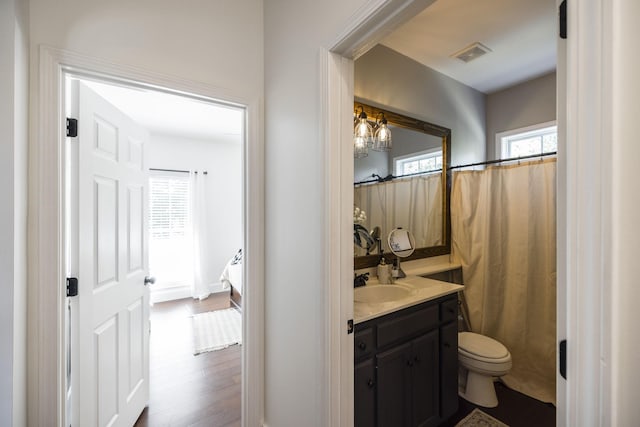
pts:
pixel 406 367
pixel 364 387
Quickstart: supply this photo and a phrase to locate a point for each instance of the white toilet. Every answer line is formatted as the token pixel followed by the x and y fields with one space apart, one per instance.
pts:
pixel 481 360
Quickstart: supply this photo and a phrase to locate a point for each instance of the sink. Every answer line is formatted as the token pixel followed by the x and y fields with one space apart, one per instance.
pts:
pixel 372 294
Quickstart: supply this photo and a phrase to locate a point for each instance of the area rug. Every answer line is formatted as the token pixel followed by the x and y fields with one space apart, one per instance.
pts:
pixel 215 330
pixel 477 418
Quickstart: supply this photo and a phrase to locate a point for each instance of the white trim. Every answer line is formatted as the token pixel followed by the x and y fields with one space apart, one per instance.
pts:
pixel 419 155
pixel 507 133
pixel 561 222
pixel 46 230
pixel 180 292
pixel 337 79
pixel 370 23
pixel 584 240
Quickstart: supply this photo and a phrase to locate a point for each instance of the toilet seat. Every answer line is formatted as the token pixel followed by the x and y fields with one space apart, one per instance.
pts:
pixel 482 348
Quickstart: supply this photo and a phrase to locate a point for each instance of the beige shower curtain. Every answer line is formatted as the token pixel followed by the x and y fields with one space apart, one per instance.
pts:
pixel 504 234
pixel 412 203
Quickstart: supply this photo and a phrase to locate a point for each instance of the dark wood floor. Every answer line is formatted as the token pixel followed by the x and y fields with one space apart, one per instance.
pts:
pixel 514 409
pixel 188 390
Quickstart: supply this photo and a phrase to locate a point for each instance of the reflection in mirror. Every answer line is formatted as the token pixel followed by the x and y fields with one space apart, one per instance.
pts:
pixel 405 187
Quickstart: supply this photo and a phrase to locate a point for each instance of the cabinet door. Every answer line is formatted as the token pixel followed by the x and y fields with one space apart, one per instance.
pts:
pixel 394 390
pixel 449 371
pixel 364 394
pixel 425 380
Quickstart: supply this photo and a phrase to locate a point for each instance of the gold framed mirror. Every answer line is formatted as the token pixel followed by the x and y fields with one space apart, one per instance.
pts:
pixel 408 186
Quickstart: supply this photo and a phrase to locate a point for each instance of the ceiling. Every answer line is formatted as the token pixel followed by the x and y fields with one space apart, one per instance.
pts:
pixel 520 33
pixel 169 114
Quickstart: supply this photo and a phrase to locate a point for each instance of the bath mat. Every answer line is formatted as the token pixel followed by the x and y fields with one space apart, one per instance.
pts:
pixel 477 418
pixel 215 330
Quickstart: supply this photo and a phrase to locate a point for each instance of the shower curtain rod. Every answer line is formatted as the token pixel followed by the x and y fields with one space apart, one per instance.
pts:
pixel 378 178
pixel 174 170
pixel 511 159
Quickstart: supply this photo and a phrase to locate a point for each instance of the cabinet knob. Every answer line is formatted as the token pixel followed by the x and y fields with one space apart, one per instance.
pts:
pixel 451 310
pixel 409 362
pixel 417 359
pixel 447 345
pixel 370 383
pixel 362 345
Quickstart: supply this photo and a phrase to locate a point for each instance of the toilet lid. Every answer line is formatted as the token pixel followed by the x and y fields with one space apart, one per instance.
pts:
pixel 481 345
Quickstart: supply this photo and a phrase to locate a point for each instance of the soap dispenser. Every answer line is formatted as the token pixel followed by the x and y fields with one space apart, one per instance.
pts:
pixel 384 271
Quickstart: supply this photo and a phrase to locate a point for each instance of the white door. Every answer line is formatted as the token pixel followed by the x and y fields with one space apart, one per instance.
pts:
pixel 113 299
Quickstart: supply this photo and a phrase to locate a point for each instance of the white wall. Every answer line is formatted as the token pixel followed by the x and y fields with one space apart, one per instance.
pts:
pixel 392 80
pixel 13 210
pixel 296 381
pixel 222 159
pixel 214 42
pixel 529 103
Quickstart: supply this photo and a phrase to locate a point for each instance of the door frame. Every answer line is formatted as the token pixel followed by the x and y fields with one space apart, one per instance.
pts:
pixel 584 164
pixel 47 211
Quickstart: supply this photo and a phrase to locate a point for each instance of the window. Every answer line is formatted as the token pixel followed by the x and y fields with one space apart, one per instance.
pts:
pixel 424 161
pixel 169 230
pixel 537 139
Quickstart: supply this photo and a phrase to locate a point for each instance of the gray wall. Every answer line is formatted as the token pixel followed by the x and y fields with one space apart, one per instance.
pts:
pixel 296 380
pixel 385 78
pixel 526 104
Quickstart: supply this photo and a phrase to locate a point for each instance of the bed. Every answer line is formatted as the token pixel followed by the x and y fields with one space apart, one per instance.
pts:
pixel 232 279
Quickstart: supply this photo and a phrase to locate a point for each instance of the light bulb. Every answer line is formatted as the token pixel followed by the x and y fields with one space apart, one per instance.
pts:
pixel 360 147
pixel 382 137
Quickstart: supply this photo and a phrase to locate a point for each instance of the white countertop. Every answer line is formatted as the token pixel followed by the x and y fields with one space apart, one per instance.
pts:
pixel 419 290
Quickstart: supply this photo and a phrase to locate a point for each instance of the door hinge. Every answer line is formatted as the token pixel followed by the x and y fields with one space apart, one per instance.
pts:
pixel 562 356
pixel 72 127
pixel 562 15
pixel 350 326
pixel 72 286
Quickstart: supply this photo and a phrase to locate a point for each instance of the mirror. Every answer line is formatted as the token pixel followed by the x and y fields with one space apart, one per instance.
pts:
pixel 407 187
pixel 401 242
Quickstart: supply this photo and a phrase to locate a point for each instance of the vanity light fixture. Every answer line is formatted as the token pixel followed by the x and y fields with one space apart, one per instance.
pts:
pixel 362 135
pixel 382 137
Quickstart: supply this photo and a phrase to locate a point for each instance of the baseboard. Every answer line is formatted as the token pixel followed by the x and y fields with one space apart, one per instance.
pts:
pixel 170 294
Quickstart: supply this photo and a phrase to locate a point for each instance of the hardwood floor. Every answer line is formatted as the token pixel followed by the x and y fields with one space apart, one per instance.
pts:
pixel 188 390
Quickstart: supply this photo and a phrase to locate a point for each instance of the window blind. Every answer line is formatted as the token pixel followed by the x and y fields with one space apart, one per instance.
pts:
pixel 170 246
pixel 169 211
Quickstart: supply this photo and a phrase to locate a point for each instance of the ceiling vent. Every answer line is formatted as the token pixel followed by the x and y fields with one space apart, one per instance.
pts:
pixel 471 52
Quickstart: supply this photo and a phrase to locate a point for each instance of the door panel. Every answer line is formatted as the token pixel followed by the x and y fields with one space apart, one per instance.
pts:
pixel 113 302
pixel 135 233
pixel 136 336
pixel 106 346
pixel 106 227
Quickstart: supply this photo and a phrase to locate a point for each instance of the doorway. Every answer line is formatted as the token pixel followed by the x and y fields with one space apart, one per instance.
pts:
pixel 113 224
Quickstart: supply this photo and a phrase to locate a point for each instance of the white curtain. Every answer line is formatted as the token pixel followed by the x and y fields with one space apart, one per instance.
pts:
pixel 412 203
pixel 199 287
pixel 504 234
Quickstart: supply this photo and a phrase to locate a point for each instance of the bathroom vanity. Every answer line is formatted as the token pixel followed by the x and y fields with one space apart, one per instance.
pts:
pixel 406 353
